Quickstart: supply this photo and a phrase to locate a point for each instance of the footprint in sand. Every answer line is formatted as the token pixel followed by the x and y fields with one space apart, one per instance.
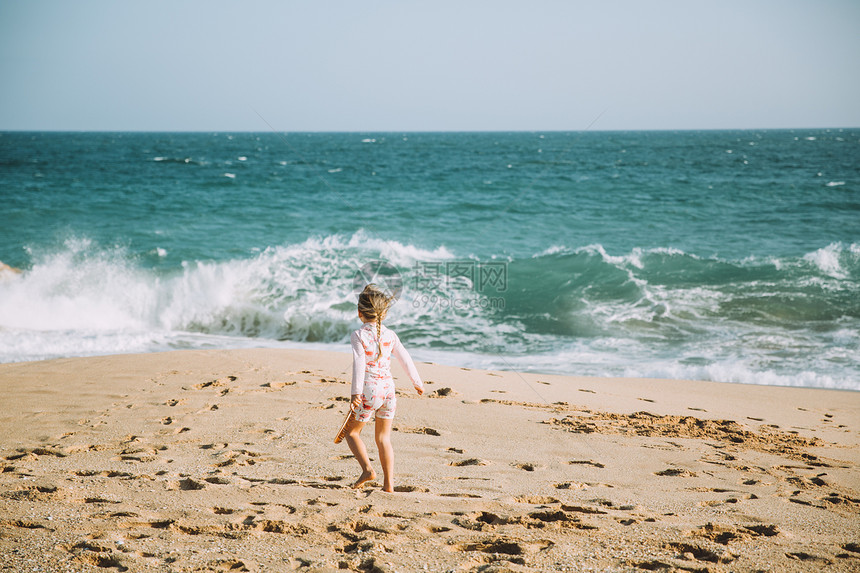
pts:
pixel 482 520
pixel 443 393
pixel 536 499
pixel 100 500
pixel 717 502
pixel 318 501
pixel 215 383
pixel 701 553
pixel 423 430
pixel 435 529
pixel 320 485
pixel 676 472
pixel 724 534
pixel 186 484
pixel 526 466
pixel 143 455
pixel 469 462
pixel 42 493
pixel 22 524
pixel 504 548
pixel 803 556
pixel 224 565
pixel 570 485
pixel 593 510
pixel 93 554
pixel 410 489
pixel 586 463
pixel 278 385
pixel 103 473
pixel 560 517
pixel 39 451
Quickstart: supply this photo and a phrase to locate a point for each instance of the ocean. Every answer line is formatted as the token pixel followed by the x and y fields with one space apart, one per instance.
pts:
pixel 731 256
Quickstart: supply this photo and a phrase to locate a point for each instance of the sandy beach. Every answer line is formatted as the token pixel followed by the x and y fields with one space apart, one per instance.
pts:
pixel 223 461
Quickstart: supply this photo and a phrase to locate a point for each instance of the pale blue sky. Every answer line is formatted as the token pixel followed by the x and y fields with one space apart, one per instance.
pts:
pixel 444 65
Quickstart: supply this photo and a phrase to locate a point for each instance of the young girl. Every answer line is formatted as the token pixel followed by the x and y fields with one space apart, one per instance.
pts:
pixel 372 386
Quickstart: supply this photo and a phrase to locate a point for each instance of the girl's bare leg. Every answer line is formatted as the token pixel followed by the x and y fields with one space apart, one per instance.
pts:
pixel 356 446
pixel 386 452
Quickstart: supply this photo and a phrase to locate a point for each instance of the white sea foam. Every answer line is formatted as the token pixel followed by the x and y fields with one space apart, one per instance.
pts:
pixel 633 258
pixel 739 372
pixel 606 357
pixel 94 296
pixel 827 260
pixel 552 250
pixel 597 249
pixel 75 289
pixel 612 358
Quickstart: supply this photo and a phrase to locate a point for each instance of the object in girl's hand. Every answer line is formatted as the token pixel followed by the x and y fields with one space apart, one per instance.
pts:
pixel 341 433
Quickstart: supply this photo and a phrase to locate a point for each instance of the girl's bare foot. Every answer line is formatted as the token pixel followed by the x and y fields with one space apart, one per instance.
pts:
pixel 364 478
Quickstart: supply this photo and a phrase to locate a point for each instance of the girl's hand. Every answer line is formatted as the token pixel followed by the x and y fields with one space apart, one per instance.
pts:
pixel 356 402
pixel 420 391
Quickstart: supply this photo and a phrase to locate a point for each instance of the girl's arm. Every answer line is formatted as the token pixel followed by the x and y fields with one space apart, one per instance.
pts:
pixel 406 361
pixel 358 365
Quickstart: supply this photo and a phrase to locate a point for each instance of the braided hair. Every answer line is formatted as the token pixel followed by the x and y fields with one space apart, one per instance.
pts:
pixel 373 304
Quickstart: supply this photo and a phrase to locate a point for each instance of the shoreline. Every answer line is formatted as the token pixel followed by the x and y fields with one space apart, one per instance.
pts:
pixel 301 347
pixel 207 460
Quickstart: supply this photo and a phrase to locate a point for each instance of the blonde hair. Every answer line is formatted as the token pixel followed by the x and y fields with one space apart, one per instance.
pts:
pixel 373 304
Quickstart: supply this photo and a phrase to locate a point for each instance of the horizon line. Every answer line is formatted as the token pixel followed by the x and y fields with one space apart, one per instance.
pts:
pixel 428 131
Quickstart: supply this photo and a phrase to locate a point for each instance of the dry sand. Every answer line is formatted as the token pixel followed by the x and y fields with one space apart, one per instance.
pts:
pixel 224 461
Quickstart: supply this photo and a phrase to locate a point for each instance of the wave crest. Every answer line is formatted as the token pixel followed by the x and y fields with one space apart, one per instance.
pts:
pixel 648 312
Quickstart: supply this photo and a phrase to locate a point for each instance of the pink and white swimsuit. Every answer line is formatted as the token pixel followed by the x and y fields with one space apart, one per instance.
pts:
pixel 371 377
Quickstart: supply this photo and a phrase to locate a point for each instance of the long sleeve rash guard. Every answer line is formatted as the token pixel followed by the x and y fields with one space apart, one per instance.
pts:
pixel 367 362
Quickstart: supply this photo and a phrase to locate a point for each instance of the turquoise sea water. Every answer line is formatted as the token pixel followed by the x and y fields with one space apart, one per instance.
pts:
pixel 724 255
